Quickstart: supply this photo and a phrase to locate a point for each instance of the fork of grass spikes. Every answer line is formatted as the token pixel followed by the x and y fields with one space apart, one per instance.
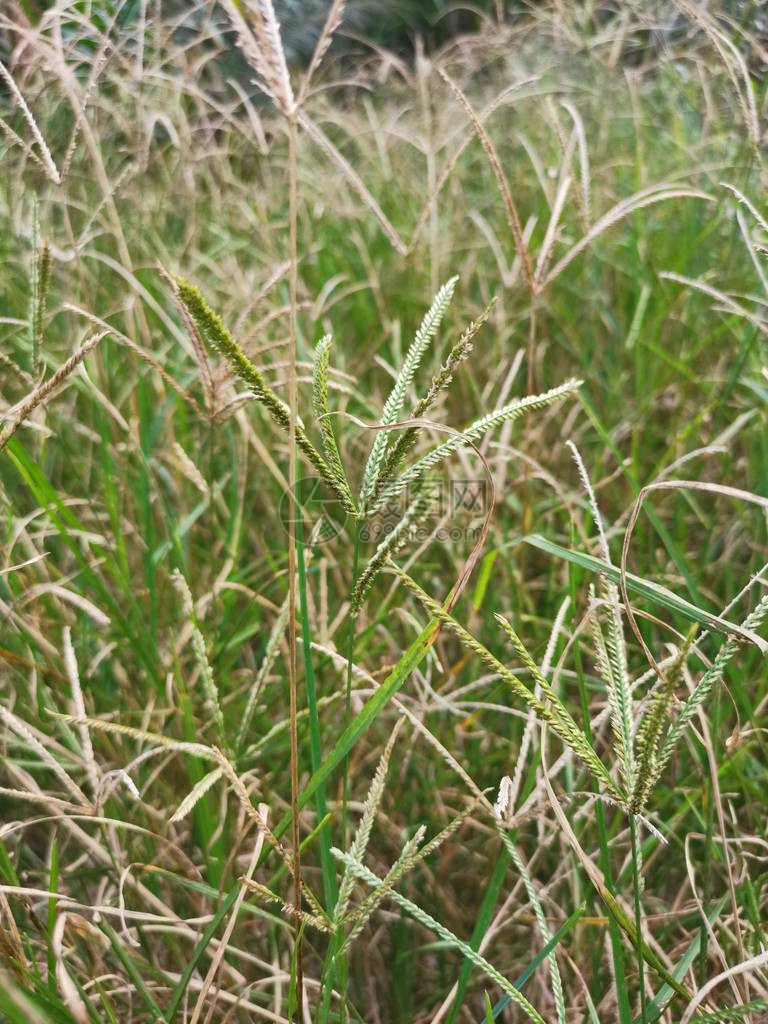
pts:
pixel 643 753
pixel 386 476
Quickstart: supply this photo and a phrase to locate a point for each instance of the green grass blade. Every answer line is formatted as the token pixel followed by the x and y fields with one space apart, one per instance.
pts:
pixel 363 720
pixel 132 970
pixel 543 953
pixel 651 591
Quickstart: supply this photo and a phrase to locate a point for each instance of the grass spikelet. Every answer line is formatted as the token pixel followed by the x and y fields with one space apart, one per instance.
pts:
pixel 365 875
pixel 22 730
pixel 141 735
pixel 270 654
pixel 392 407
pixel 45 154
pixel 554 713
pixel 363 833
pixel 360 915
pixel 508 413
pixel 440 382
pixel 260 821
pixel 211 327
pixel 77 700
pixel 561 721
pixel 611 660
pixel 201 652
pixel 260 41
pixel 393 542
pixel 288 909
pixel 40 283
pixel 711 677
pixel 541 921
pixel 321 410
pixel 651 727
pixel 189 802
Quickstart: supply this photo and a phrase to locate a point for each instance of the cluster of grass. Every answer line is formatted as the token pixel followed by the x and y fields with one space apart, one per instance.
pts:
pixel 283 736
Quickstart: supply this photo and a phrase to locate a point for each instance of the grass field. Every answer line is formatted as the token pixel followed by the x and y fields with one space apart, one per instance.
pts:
pixel 416 676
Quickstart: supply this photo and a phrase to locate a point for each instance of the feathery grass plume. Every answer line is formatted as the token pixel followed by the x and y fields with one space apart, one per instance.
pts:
pixel 19 413
pixel 442 379
pixel 140 352
pixel 332 22
pixel 512 411
pixel 13 367
pixel 554 712
pixel 582 197
pixel 45 159
pixel 541 921
pixel 211 327
pixel 560 719
pixel 611 660
pixel 424 335
pixel 365 875
pixel 393 542
pixel 363 833
pixel 648 736
pixel 259 39
pixel 321 409
pixel 315 132
pixel 201 653
pixel 196 794
pixel 510 208
pixel 741 198
pixel 270 653
pixel 712 676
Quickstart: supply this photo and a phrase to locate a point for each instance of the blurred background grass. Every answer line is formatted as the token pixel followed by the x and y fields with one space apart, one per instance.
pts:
pixel 179 163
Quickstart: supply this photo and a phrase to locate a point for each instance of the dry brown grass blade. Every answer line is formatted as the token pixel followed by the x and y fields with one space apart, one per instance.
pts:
pixel 331 26
pixel 217 958
pixel 513 217
pixel 355 182
pixel 45 154
pixel 40 395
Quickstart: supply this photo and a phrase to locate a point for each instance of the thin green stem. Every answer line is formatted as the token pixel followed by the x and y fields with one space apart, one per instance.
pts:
pixel 339 969
pixel 637 881
pixel 351 630
pixel 296 510
pixel 330 888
